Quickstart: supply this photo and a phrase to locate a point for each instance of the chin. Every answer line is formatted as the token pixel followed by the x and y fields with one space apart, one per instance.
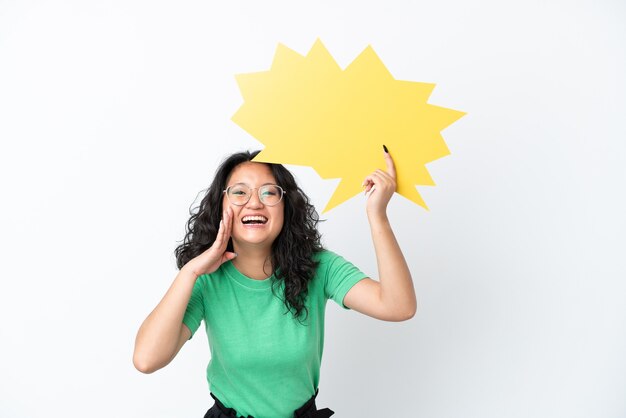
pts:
pixel 253 240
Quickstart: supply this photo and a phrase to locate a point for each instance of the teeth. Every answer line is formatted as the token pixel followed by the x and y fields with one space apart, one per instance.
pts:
pixel 254 218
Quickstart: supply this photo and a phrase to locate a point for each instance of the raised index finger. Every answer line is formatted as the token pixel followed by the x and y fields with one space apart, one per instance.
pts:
pixel 391 168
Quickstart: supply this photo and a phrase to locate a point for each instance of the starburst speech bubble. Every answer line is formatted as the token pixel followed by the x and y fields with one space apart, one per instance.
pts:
pixel 307 111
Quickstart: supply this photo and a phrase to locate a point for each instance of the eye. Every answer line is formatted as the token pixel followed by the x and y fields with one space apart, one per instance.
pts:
pixel 239 190
pixel 270 191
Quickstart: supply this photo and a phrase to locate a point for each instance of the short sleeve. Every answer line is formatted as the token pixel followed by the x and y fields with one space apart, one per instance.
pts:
pixel 340 276
pixel 195 308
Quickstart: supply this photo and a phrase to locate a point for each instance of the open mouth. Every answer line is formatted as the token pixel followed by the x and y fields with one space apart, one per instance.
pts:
pixel 254 220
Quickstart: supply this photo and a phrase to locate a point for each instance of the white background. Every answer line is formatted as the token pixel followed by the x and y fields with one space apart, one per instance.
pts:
pixel 114 116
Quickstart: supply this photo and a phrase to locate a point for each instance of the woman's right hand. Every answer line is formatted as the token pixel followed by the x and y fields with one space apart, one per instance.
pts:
pixel 216 255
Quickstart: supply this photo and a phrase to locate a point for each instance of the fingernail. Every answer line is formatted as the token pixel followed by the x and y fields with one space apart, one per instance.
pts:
pixel 385 148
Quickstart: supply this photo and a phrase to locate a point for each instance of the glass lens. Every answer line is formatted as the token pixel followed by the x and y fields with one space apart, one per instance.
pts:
pixel 270 195
pixel 239 194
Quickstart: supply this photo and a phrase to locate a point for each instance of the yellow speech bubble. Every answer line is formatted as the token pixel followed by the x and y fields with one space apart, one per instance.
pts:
pixel 307 111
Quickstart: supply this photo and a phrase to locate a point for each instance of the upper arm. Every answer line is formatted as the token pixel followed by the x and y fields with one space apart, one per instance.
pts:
pixel 183 337
pixel 148 364
pixel 366 297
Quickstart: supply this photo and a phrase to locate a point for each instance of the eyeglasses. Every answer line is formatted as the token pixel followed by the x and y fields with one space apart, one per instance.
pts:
pixel 239 194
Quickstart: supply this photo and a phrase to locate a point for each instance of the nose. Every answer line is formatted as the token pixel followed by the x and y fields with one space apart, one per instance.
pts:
pixel 255 200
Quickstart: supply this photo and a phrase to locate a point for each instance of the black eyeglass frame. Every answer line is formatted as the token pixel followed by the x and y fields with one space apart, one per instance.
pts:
pixel 258 189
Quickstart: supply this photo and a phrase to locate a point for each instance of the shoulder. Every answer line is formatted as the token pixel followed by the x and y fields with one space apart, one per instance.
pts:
pixel 330 263
pixel 329 258
pixel 325 259
pixel 325 256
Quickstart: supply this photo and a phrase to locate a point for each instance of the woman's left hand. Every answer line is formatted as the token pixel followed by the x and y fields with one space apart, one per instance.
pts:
pixel 380 185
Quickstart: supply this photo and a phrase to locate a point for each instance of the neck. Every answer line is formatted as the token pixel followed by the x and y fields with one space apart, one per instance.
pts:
pixel 253 262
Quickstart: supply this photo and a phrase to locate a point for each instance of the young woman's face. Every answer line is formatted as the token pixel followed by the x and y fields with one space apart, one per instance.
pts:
pixel 267 221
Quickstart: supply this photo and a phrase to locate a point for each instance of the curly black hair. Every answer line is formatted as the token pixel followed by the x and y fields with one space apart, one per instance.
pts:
pixel 292 250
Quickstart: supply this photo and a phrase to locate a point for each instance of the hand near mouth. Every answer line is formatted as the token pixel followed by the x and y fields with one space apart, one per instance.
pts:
pixel 216 255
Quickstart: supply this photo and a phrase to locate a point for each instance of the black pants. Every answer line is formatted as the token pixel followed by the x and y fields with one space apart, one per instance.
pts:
pixel 308 410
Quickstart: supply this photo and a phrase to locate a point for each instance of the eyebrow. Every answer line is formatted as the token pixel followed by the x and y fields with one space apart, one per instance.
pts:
pixel 264 184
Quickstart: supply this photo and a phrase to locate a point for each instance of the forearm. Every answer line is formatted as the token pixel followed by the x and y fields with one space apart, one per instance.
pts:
pixel 158 336
pixel 397 291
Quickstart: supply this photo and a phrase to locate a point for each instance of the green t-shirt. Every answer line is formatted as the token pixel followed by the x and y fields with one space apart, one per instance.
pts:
pixel 264 362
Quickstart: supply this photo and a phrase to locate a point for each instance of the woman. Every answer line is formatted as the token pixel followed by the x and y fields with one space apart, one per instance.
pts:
pixel 252 267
